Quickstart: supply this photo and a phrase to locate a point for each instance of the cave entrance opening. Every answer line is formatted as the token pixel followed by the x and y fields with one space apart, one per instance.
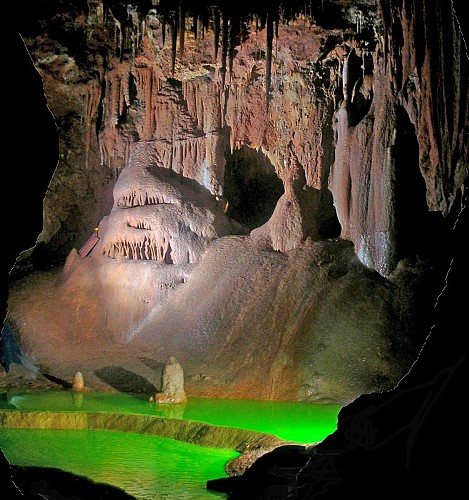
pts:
pixel 251 187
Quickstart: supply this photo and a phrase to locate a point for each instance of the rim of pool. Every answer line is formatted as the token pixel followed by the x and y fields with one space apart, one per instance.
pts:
pixel 150 450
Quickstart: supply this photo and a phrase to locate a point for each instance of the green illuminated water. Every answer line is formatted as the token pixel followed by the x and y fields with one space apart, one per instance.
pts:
pixel 147 467
pixel 299 422
pixel 151 467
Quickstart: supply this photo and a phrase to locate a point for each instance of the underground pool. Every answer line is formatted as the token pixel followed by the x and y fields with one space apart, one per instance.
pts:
pixel 150 451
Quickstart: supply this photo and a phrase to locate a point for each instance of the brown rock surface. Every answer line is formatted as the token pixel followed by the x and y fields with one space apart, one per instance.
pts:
pixel 363 117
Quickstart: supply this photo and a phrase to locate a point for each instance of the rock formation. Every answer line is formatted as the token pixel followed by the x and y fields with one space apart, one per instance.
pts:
pixel 172 389
pixel 78 384
pixel 348 119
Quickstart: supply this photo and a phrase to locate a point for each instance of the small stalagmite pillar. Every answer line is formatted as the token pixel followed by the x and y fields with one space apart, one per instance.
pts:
pixel 172 390
pixel 78 383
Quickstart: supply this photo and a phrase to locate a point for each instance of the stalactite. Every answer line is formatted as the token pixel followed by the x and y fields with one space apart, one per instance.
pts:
pixel 148 86
pixel 232 43
pixel 115 27
pixel 281 14
pixel 195 27
pixel 154 247
pixel 173 45
pixel 135 198
pixel 268 63
pixel 203 103
pixel 114 95
pixel 92 100
pixel 201 29
pixel 224 45
pixel 123 97
pixel 216 30
pixel 141 33
pixel 149 115
pixel 163 29
pixel 182 28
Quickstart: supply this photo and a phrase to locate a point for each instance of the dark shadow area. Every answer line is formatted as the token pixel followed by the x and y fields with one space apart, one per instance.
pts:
pixel 58 381
pixel 420 236
pixel 153 364
pixel 358 105
pixel 5 403
pixel 126 381
pixel 32 138
pixel 157 366
pixel 44 482
pixel 251 187
pixel 418 231
pixel 328 225
pixel 10 351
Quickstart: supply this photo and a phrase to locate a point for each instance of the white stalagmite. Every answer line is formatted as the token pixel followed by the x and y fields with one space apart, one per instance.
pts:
pixel 172 390
pixel 78 383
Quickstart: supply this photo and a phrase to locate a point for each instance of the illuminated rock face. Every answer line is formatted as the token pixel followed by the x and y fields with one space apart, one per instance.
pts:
pixel 344 101
pixel 158 230
pixel 160 215
pixel 152 113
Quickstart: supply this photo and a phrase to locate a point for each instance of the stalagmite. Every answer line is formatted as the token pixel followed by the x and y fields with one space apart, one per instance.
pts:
pixel 172 390
pixel 78 383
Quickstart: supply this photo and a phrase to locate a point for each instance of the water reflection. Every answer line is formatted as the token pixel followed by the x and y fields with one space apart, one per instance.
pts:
pixel 11 400
pixel 171 410
pixel 300 422
pixel 77 399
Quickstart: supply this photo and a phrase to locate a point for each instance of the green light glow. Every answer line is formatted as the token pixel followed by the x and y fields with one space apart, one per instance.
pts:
pixel 152 467
pixel 300 422
pixel 147 467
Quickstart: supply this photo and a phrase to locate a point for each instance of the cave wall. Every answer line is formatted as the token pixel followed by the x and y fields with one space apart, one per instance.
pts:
pixel 410 75
pixel 155 105
pixel 339 102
